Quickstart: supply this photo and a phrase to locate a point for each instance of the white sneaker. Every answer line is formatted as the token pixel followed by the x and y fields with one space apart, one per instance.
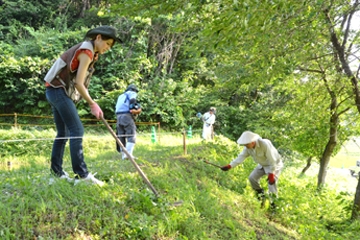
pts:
pixel 66 176
pixel 54 178
pixel 91 179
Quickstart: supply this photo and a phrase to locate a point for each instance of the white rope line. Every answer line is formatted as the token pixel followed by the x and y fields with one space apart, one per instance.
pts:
pixel 95 136
pixel 58 138
pixel 36 139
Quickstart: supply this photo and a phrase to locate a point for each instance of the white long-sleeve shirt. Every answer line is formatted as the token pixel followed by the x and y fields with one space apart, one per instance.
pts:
pixel 264 153
pixel 209 118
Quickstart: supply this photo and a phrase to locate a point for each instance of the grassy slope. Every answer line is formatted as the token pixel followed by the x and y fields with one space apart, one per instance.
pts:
pixel 216 204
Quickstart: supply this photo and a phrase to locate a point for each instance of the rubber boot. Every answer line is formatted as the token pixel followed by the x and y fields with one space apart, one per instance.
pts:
pixel 123 155
pixel 130 148
pixel 118 148
pixel 261 196
pixel 273 198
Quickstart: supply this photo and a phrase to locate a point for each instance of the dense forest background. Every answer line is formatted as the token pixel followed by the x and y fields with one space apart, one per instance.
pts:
pixel 287 70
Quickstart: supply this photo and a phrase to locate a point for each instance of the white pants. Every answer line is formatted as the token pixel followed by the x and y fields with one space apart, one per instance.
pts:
pixel 259 172
pixel 207 131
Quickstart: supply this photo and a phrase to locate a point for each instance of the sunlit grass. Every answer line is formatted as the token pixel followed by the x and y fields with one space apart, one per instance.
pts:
pixel 216 204
pixel 348 155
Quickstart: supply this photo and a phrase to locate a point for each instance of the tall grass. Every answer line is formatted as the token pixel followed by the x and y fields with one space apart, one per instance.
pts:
pixel 216 204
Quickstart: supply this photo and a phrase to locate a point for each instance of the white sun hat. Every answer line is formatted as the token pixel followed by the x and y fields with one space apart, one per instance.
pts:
pixel 247 137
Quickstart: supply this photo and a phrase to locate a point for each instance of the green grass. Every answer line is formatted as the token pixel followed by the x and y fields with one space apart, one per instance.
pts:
pixel 348 155
pixel 216 204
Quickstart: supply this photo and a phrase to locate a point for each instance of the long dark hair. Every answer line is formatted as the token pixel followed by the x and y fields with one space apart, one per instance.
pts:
pixel 103 37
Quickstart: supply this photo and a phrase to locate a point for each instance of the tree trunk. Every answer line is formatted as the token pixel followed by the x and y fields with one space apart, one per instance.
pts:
pixel 324 162
pixel 85 6
pixel 339 50
pixel 308 164
pixel 329 149
pixel 355 215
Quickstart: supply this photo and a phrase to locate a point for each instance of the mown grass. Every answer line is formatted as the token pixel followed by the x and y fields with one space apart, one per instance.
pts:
pixel 216 204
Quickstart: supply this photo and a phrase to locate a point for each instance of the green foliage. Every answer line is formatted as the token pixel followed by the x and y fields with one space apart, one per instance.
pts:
pixel 55 15
pixel 17 143
pixel 30 13
pixel 22 85
pixel 47 43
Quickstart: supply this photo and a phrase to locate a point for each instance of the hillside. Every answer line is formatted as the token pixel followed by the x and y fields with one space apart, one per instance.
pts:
pixel 215 204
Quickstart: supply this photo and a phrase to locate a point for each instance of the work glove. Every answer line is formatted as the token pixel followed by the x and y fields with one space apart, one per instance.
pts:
pixel 226 168
pixel 271 178
pixel 135 111
pixel 96 110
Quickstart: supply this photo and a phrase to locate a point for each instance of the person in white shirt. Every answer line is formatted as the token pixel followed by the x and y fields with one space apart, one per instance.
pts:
pixel 268 158
pixel 209 119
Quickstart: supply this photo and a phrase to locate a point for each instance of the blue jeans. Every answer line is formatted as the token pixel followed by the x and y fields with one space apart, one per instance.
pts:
pixel 68 125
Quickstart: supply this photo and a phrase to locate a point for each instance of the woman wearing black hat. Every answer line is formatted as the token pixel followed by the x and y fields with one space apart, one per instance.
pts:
pixel 66 83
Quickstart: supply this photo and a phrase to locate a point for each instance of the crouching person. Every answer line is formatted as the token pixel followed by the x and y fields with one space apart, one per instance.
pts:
pixel 269 163
pixel 127 109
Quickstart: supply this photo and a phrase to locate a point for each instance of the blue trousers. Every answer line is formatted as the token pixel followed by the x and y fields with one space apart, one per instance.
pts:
pixel 68 125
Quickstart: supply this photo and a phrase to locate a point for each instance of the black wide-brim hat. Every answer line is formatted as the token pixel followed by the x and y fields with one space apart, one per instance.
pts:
pixel 105 31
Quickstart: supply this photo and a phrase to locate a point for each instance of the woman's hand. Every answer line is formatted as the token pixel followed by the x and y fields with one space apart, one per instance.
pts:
pixel 96 110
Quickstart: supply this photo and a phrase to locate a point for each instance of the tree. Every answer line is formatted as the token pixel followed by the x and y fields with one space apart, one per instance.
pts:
pixel 270 40
pixel 346 43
